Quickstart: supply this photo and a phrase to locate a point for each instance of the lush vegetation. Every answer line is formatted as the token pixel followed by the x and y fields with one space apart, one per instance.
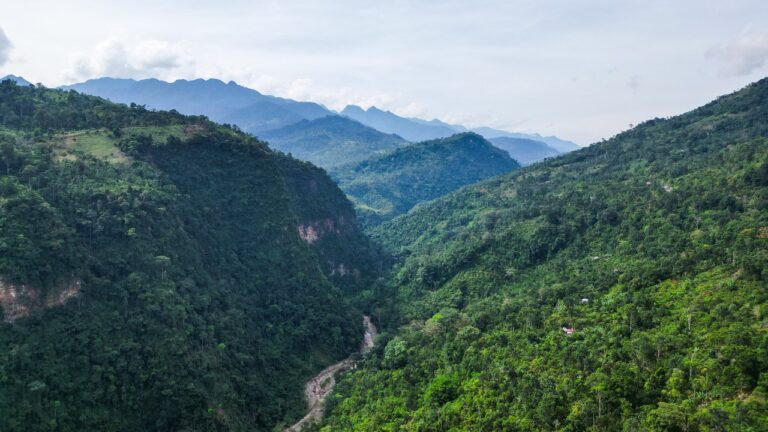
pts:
pixel 389 185
pixel 652 247
pixel 200 307
pixel 331 141
pixel 215 276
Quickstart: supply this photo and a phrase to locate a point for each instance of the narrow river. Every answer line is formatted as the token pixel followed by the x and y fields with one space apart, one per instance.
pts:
pixel 321 385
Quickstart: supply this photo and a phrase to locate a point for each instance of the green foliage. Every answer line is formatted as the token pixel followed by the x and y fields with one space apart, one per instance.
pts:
pixel 29 109
pixel 389 185
pixel 34 242
pixel 200 307
pixel 663 229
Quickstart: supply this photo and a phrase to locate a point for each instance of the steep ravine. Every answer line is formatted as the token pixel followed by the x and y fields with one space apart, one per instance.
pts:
pixel 321 385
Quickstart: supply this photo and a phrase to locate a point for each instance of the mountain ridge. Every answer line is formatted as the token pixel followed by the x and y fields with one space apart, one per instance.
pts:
pixel 17 79
pixel 526 151
pixel 258 113
pixel 221 102
pixel 331 141
pixel 390 184
pixel 415 129
pixel 618 287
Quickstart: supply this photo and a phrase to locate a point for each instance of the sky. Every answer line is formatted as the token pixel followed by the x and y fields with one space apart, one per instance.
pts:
pixel 582 70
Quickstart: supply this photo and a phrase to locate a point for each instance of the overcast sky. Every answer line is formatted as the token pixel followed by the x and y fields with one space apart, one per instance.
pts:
pixel 582 70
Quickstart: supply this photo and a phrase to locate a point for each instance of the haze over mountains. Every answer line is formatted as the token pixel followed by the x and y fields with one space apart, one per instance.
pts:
pixel 525 151
pixel 221 102
pixel 258 114
pixel 419 130
pixel 386 121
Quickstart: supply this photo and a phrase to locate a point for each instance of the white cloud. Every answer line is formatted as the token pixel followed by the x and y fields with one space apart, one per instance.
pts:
pixel 5 47
pixel 307 89
pixel 115 57
pixel 301 89
pixel 505 64
pixel 333 97
pixel 413 109
pixel 744 54
pixel 633 82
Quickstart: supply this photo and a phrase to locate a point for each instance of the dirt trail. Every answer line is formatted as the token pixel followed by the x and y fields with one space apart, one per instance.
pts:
pixel 321 385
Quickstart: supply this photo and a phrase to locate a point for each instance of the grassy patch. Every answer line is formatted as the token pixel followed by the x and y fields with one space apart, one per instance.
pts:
pixel 97 143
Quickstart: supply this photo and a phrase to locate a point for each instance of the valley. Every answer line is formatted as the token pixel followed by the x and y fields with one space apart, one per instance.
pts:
pixel 321 385
pixel 193 264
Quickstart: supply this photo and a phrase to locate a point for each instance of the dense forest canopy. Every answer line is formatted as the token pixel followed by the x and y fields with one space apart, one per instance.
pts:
pixel 621 287
pixel 156 272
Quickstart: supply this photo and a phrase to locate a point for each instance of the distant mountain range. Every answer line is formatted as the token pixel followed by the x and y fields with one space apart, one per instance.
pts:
pixel 414 129
pixel 305 129
pixel 221 102
pixel 388 122
pixel 524 150
pixel 391 184
pixel 562 146
pixel 256 112
pixel 331 141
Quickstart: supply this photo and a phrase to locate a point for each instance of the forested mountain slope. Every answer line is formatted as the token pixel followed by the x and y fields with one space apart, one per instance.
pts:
pixel 161 272
pixel 331 141
pixel 391 184
pixel 651 248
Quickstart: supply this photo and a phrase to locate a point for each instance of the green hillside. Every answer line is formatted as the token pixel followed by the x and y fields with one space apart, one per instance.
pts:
pixel 652 247
pixel 331 141
pixel 386 186
pixel 161 272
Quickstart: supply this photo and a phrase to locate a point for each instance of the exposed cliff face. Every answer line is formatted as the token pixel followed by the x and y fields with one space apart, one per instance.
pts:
pixel 312 231
pixel 308 233
pixel 19 300
pixel 327 222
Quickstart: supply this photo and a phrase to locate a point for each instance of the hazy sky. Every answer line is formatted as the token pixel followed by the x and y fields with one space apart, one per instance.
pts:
pixel 582 70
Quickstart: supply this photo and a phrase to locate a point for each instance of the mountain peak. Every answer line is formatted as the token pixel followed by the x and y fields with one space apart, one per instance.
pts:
pixel 415 129
pixel 387 185
pixel 223 102
pixel 351 109
pixel 17 79
pixel 374 109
